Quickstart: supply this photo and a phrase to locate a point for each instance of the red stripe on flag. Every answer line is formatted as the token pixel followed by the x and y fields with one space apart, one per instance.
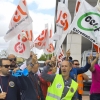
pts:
pixel 77 7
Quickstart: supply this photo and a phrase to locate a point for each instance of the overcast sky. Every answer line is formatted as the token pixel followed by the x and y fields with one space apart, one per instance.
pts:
pixel 41 11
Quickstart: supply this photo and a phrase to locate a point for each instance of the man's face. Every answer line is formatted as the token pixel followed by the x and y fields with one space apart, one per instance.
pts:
pixel 12 59
pixel 35 68
pixel 4 69
pixel 76 64
pixel 65 68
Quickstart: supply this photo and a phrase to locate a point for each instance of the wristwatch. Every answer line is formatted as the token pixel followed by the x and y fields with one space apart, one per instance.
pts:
pixel 31 64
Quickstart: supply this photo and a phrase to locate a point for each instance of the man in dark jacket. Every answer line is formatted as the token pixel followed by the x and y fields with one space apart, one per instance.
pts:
pixel 9 85
pixel 34 91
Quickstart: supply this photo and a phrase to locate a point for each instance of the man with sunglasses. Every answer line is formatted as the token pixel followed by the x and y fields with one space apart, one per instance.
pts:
pixel 9 85
pixel 12 59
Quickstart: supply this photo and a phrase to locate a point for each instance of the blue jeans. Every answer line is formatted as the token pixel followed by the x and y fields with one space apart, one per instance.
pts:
pixel 95 96
pixel 79 96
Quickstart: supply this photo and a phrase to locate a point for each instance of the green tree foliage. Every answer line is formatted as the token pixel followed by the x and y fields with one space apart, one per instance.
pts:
pixel 45 57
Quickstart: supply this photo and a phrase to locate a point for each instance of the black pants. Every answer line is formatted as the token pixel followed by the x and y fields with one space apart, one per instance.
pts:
pixel 95 96
pixel 79 96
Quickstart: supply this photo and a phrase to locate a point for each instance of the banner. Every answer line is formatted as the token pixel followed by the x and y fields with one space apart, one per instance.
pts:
pixel 97 48
pixel 63 22
pixel 87 23
pixel 65 2
pixel 42 40
pixel 63 17
pixel 19 46
pixel 29 33
pixel 60 55
pixel 98 5
pixel 78 3
pixel 50 47
pixel 19 21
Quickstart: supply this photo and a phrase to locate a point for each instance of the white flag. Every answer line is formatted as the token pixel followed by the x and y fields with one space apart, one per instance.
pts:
pixel 50 48
pixel 29 33
pixel 19 21
pixel 19 46
pixel 65 2
pixel 98 5
pixel 42 40
pixel 63 22
pixel 63 17
pixel 87 23
pixel 60 55
pixel 78 3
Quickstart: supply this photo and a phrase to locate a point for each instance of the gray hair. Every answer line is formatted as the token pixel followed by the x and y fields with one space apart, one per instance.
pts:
pixel 28 61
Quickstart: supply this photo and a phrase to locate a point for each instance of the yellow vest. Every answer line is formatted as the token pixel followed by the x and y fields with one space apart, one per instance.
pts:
pixel 56 89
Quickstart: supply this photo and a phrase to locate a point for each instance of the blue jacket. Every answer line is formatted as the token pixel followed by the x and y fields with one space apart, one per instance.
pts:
pixel 75 71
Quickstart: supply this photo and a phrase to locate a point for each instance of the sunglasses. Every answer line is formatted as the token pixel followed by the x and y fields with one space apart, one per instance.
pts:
pixel 6 66
pixel 76 64
pixel 12 59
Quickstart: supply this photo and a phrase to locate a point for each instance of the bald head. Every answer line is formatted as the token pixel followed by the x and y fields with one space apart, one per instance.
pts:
pixel 11 56
pixel 12 59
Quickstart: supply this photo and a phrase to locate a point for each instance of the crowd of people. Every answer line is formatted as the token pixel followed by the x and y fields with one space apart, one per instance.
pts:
pixel 50 84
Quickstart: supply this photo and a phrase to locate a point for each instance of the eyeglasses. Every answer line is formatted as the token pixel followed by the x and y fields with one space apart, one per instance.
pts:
pixel 6 66
pixel 77 64
pixel 12 59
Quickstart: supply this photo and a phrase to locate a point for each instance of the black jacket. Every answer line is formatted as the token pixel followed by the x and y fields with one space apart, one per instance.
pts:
pixel 34 89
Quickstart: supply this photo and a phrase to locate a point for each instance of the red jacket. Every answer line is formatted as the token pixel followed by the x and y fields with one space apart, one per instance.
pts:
pixel 44 85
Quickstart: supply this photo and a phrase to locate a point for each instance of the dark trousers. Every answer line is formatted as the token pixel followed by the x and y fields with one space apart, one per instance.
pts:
pixel 79 96
pixel 95 96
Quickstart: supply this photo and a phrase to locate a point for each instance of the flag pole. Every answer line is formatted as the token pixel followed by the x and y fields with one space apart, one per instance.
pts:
pixel 92 49
pixel 71 40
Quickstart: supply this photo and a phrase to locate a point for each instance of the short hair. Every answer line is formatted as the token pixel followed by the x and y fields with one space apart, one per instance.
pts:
pixel 74 61
pixel 70 58
pixel 70 64
pixel 1 59
pixel 28 61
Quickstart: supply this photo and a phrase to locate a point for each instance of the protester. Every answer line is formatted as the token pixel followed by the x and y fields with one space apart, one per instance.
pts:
pixel 75 71
pixel 9 85
pixel 34 91
pixel 32 55
pixel 62 86
pixel 95 86
pixel 80 78
pixel 45 84
pixel 13 61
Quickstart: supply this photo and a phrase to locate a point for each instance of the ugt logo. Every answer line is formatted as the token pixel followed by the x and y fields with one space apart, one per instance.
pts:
pixel 89 18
